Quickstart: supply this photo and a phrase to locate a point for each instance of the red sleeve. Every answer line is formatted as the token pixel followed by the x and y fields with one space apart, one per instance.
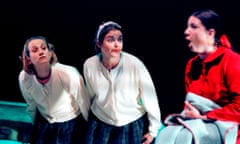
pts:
pixel 188 74
pixel 230 111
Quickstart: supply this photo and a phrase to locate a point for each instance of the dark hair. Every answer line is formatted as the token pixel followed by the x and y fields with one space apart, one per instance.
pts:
pixel 103 29
pixel 210 19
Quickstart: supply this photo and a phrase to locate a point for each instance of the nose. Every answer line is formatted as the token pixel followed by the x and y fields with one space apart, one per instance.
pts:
pixel 41 52
pixel 186 31
pixel 116 43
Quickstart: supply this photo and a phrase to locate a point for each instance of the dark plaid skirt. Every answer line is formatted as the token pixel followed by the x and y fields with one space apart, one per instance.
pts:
pixel 69 132
pixel 99 132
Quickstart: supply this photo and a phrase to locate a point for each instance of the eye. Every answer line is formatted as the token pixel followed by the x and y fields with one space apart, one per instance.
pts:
pixel 34 49
pixel 120 39
pixel 194 26
pixel 44 48
pixel 110 39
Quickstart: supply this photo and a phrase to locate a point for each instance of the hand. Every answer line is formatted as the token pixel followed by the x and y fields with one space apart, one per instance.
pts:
pixel 26 63
pixel 147 139
pixel 192 112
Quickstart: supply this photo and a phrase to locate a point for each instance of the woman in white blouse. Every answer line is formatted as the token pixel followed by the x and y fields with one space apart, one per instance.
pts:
pixel 123 97
pixel 55 94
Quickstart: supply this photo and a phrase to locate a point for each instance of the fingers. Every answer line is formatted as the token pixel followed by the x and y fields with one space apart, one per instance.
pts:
pixel 26 63
pixel 147 139
pixel 189 106
pixel 191 111
pixel 20 58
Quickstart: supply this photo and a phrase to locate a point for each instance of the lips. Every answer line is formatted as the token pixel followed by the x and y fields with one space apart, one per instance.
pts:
pixel 116 50
pixel 42 57
pixel 188 39
pixel 190 44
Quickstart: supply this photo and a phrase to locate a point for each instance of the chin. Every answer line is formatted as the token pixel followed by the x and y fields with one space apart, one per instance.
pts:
pixel 116 54
pixel 194 49
pixel 43 62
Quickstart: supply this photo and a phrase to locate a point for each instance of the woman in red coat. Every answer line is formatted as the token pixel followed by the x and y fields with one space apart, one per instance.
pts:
pixel 214 73
pixel 212 78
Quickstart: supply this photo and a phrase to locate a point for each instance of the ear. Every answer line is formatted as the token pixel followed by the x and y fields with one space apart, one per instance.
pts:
pixel 98 44
pixel 53 57
pixel 212 32
pixel 50 53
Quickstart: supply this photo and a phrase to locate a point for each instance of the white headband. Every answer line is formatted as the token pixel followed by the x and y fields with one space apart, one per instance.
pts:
pixel 104 25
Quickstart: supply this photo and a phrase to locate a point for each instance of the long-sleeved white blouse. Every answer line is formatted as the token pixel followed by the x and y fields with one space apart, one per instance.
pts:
pixel 61 99
pixel 124 94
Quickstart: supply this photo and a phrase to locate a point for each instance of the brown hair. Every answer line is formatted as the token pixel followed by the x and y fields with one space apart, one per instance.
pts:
pixel 27 66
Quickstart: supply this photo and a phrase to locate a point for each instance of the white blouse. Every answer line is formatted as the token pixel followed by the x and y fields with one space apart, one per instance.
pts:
pixel 124 94
pixel 61 99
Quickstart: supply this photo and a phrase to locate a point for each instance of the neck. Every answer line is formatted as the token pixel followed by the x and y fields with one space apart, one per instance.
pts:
pixel 110 63
pixel 44 80
pixel 42 70
pixel 208 52
pixel 43 75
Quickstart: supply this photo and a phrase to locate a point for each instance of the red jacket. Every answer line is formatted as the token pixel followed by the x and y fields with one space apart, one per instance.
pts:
pixel 217 78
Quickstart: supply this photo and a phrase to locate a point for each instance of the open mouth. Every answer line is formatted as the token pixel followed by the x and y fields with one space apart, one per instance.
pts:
pixel 189 41
pixel 42 57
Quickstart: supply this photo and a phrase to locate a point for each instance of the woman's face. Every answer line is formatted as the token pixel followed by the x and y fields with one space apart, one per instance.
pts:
pixel 200 39
pixel 112 44
pixel 38 52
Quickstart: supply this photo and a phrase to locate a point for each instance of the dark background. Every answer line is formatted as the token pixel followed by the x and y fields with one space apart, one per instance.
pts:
pixel 153 31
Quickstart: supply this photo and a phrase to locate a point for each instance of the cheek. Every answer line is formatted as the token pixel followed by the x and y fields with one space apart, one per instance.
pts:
pixel 200 38
pixel 106 47
pixel 121 45
pixel 104 50
pixel 33 59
